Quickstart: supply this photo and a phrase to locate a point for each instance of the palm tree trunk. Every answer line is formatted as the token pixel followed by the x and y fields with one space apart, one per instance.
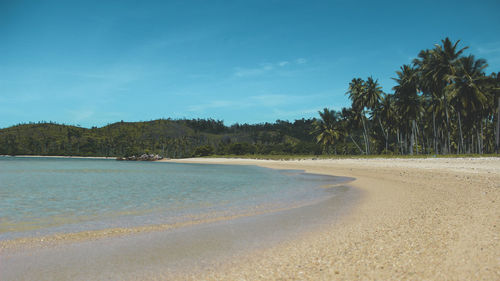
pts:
pixel 386 133
pixel 478 142
pixel 399 141
pixel 472 142
pixel 460 130
pixel 356 144
pixel 415 128
pixel 447 125
pixel 412 137
pixel 406 141
pixel 497 144
pixel 435 133
pixel 365 134
pixel 481 141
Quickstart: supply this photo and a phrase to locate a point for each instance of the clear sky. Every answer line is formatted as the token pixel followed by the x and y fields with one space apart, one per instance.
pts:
pixel 97 62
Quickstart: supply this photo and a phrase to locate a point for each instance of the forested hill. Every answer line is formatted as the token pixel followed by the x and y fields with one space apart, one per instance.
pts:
pixel 167 137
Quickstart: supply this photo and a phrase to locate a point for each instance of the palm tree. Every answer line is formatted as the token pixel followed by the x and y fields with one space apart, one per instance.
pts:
pixel 385 114
pixel 372 94
pixel 349 121
pixel 493 86
pixel 365 97
pixel 435 67
pixel 326 128
pixel 407 100
pixel 467 94
pixel 442 64
pixel 355 92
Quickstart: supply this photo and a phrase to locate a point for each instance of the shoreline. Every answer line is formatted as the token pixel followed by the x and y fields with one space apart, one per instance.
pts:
pixel 51 238
pixel 434 219
pixel 58 156
pixel 234 236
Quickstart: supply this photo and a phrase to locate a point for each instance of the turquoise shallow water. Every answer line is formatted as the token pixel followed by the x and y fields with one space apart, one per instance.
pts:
pixel 40 196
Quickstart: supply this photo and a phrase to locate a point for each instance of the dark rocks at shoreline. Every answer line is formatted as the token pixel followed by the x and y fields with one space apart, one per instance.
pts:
pixel 143 157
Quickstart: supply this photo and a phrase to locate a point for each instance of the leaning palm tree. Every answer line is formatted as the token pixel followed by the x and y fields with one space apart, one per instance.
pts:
pixel 326 129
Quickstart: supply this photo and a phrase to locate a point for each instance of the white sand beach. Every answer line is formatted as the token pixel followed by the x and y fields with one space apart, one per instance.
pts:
pixel 419 219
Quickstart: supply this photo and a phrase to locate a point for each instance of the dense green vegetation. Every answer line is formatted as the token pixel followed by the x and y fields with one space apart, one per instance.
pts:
pixel 169 138
pixel 443 103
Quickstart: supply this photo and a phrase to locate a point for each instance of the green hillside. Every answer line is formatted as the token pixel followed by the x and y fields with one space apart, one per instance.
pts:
pixel 169 138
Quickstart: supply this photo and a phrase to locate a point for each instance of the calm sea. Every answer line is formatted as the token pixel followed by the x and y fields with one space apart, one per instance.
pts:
pixel 40 196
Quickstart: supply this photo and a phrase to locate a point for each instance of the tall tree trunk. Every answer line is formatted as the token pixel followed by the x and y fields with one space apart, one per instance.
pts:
pixel 497 144
pixel 415 128
pixel 478 142
pixel 460 130
pixel 447 125
pixel 412 137
pixel 472 142
pixel 435 135
pixel 367 145
pixel 386 134
pixel 361 150
pixel 400 150
pixel 481 140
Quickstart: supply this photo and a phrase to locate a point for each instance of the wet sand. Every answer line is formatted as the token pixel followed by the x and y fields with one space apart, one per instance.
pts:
pixel 418 219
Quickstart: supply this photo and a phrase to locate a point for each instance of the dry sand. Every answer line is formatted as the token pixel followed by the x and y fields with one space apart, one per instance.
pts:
pixel 418 219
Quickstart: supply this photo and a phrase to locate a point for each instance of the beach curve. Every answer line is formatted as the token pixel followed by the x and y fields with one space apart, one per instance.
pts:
pixel 432 218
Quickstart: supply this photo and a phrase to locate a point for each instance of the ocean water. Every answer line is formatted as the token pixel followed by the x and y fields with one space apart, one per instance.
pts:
pixel 41 196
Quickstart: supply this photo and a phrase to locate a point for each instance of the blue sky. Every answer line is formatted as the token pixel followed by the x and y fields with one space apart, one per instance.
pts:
pixel 97 62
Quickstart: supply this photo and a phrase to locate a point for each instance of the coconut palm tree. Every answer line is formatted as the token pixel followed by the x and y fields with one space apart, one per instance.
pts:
pixel 356 92
pixel 372 94
pixel 435 67
pixel 326 128
pixel 407 100
pixel 349 122
pixel 386 116
pixel 365 97
pixel 493 86
pixel 441 65
pixel 468 95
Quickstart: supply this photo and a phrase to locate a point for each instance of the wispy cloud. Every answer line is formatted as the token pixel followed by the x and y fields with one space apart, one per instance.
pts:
pixel 301 61
pixel 265 68
pixel 267 101
pixel 213 105
pixel 296 114
pixel 486 50
pixel 489 51
pixel 81 114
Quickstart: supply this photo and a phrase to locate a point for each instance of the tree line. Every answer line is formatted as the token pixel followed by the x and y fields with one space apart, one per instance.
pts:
pixel 166 137
pixel 443 103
